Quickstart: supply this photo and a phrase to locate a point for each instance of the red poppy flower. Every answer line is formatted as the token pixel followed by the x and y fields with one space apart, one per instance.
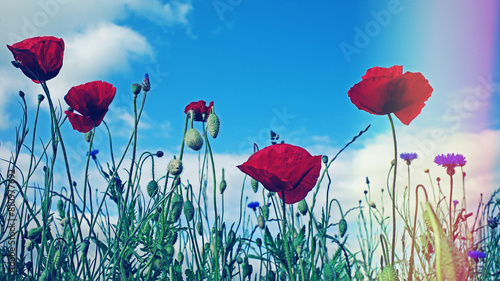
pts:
pixel 91 100
pixel 388 90
pixel 284 167
pixel 41 57
pixel 199 108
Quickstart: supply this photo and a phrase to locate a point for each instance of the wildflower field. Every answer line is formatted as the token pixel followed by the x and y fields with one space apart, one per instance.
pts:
pixel 150 224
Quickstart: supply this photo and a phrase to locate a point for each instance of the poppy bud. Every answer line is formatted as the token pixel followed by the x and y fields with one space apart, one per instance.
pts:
pixel 152 188
pixel 426 171
pixel 302 206
pixel 41 97
pixel 261 222
pixel 239 260
pixel 258 241
pixel 372 204
pixel 60 206
pixel 342 227
pixel 176 211
pixel 29 245
pixel 175 167
pixel 35 232
pixel 199 228
pixel 84 246
pixel 328 272
pixel 255 185
pixel 88 135
pixel 222 186
pixel 188 210
pixel 247 269
pixel 169 249
pixel 298 250
pixel 213 125
pixel 180 257
pixel 193 139
pixel 136 88
pixel 58 259
pixel 21 94
pixel 159 154
pixel 265 212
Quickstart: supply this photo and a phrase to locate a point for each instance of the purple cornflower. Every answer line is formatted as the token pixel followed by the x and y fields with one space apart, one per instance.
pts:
pixel 477 255
pixel 408 157
pixel 146 85
pixel 253 205
pixel 450 161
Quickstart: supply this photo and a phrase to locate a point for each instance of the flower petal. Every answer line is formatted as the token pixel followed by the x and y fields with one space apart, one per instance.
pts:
pixel 82 124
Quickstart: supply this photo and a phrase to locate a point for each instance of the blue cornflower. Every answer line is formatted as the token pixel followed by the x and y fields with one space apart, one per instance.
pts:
pixel 93 153
pixel 450 161
pixel 253 205
pixel 477 254
pixel 408 157
pixel 493 222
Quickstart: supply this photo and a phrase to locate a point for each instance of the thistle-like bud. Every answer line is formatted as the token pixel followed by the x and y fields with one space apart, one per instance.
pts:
pixel 152 188
pixel 146 85
pixel 136 88
pixel 193 139
pixel 261 222
pixel 255 185
pixel 389 274
pixel 342 227
pixel 302 206
pixel 213 125
pixel 328 272
pixel 175 167
pixel 188 210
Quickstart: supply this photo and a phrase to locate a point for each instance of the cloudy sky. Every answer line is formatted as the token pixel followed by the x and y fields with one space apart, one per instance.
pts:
pixel 281 65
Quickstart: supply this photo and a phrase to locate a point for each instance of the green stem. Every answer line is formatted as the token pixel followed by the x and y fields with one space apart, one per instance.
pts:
pixel 394 190
pixel 285 237
pixel 450 228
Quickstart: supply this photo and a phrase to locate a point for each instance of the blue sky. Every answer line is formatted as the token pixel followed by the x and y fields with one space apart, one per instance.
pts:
pixel 279 65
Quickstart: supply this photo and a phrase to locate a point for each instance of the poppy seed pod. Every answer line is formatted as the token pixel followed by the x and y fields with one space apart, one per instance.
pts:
pixel 302 206
pixel 193 139
pixel 213 125
pixel 175 167
pixel 152 188
pixel 136 88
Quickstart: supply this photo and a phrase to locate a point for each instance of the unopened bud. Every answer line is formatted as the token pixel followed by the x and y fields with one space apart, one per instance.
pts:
pixel 136 88
pixel 41 97
pixel 213 125
pixel 175 167
pixel 193 139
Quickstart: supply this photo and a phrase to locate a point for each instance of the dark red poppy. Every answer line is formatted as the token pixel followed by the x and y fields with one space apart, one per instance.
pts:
pixel 91 100
pixel 388 90
pixel 200 110
pixel 41 57
pixel 284 167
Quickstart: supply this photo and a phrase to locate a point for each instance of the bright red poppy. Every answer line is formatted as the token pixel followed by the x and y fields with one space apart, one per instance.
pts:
pixel 388 90
pixel 41 57
pixel 200 110
pixel 284 167
pixel 91 100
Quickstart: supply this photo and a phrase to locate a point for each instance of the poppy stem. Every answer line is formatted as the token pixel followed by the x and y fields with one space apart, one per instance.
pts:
pixel 285 237
pixel 394 190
